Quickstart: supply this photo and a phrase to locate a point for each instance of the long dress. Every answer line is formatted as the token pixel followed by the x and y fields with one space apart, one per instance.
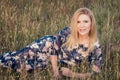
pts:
pixel 36 54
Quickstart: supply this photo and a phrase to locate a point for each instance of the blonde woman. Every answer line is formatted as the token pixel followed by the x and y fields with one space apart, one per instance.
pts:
pixel 73 45
pixel 77 43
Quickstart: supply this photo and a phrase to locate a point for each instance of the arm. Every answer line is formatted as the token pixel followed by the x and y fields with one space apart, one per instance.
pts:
pixel 60 39
pixel 53 59
pixel 67 72
pixel 97 62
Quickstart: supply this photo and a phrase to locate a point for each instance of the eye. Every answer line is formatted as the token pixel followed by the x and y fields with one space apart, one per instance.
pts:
pixel 86 21
pixel 78 21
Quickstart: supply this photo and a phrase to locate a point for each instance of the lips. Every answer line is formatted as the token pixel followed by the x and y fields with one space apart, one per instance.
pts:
pixel 82 30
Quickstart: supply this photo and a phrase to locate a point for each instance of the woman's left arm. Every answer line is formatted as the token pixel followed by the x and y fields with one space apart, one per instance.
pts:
pixel 97 59
pixel 69 73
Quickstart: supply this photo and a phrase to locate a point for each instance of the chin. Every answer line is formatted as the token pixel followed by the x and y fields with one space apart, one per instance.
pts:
pixel 83 34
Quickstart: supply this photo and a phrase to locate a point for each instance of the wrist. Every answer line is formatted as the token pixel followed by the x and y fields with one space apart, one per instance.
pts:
pixel 55 69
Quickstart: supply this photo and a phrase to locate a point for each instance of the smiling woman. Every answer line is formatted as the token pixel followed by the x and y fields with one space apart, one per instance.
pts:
pixel 78 43
pixel 72 45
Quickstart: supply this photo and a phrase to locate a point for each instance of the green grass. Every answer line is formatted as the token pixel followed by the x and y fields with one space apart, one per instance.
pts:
pixel 23 21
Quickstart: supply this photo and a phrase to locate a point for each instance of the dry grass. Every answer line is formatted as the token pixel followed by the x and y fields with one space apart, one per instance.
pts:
pixel 23 21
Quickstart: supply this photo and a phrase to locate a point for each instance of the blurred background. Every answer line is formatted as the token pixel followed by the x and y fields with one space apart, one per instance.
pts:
pixel 23 21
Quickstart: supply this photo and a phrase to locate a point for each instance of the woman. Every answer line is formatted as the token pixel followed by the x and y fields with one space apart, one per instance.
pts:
pixel 77 43
pixel 71 46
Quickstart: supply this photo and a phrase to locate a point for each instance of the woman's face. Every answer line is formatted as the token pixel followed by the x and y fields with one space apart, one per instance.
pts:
pixel 83 24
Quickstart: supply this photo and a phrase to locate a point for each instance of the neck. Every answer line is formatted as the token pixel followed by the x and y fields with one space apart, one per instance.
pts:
pixel 84 40
pixel 81 37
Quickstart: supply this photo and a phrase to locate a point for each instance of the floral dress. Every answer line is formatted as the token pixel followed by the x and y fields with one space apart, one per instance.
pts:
pixel 36 54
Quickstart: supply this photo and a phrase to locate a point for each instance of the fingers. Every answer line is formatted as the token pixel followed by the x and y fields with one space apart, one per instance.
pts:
pixel 88 74
pixel 64 68
pixel 66 72
pixel 95 68
pixel 57 75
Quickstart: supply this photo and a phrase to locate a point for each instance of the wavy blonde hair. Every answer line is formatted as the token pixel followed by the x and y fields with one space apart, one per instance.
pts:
pixel 72 41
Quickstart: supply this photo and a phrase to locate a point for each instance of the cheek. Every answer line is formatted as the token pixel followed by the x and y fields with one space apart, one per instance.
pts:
pixel 88 26
pixel 78 25
pixel 78 28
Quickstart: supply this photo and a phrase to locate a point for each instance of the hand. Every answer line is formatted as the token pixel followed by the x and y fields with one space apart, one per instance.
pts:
pixel 53 60
pixel 66 72
pixel 95 68
pixel 56 74
pixel 87 74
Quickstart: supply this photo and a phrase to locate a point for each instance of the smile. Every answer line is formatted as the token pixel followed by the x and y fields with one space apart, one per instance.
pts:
pixel 82 30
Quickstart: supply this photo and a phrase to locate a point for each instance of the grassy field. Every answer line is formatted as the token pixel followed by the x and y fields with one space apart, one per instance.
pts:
pixel 23 21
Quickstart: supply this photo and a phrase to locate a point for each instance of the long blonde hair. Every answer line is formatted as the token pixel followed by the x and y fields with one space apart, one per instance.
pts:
pixel 72 41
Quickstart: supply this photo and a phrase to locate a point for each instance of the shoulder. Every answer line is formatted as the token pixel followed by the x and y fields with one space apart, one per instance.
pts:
pixel 62 36
pixel 65 31
pixel 97 48
pixel 97 44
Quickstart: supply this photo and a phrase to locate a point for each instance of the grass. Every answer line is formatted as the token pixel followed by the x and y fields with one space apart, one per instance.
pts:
pixel 23 21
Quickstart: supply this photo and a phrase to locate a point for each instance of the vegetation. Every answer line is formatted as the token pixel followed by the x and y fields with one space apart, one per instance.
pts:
pixel 23 21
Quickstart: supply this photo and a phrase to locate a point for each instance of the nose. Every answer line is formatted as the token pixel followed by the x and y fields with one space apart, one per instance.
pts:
pixel 81 24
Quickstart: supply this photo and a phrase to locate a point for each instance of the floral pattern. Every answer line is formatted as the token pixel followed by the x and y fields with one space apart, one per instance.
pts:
pixel 36 54
pixel 74 56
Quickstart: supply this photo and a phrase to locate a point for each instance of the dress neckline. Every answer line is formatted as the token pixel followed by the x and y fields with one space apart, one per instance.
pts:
pixel 81 46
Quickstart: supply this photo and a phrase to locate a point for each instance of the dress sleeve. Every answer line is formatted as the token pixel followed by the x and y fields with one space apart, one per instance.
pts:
pixel 97 57
pixel 62 36
pixel 59 39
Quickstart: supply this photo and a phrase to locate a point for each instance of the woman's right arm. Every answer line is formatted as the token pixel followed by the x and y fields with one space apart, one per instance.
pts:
pixel 52 48
pixel 60 39
pixel 54 60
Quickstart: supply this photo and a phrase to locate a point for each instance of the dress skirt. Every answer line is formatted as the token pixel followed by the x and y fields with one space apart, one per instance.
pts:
pixel 34 55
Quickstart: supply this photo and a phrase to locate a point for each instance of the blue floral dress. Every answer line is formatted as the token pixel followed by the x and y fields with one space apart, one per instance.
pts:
pixel 36 54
